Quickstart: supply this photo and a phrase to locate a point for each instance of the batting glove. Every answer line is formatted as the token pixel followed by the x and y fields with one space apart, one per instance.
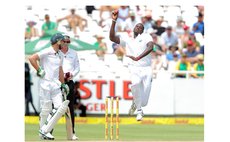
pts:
pixel 40 72
pixel 65 88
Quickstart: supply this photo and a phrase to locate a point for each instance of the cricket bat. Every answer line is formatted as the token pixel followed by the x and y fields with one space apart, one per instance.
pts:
pixel 69 128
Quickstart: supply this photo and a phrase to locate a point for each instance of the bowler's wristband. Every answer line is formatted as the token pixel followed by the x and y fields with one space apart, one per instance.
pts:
pixel 154 48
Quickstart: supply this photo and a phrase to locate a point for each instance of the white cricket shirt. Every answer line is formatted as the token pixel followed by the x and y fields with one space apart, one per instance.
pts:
pixel 71 62
pixel 50 61
pixel 135 46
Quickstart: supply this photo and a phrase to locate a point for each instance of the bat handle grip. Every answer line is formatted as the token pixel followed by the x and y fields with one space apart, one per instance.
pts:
pixel 64 96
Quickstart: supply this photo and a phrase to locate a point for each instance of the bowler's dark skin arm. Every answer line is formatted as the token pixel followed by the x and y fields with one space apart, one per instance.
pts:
pixel 112 36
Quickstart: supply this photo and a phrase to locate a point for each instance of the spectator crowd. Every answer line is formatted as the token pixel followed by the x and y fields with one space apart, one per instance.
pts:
pixel 177 31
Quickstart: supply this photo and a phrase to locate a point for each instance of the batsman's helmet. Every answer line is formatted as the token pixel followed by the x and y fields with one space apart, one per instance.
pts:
pixel 56 38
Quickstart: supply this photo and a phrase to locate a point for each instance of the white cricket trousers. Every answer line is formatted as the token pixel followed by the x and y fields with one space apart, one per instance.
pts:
pixel 141 78
pixel 49 93
pixel 50 90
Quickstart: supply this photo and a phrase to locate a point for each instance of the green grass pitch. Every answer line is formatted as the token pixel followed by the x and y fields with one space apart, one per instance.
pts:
pixel 137 132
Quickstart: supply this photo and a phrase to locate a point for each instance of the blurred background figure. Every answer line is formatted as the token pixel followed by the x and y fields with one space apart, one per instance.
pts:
pixel 158 26
pixel 28 94
pixel 169 38
pixel 49 27
pixel 147 24
pixel 131 21
pixel 155 38
pixel 31 31
pixel 77 103
pixel 179 28
pixel 101 44
pixel 185 36
pixel 89 10
pixel 173 63
pixel 119 51
pixel 202 49
pixel 199 66
pixel 198 27
pixel 139 11
pixel 172 52
pixel 123 15
pixel 197 45
pixel 158 54
pixel 75 21
pixel 191 52
pixel 183 65
pixel 104 14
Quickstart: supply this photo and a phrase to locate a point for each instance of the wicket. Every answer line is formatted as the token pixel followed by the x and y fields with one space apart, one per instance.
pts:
pixel 111 118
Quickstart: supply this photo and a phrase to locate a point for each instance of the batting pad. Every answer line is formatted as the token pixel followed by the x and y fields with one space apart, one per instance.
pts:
pixel 46 109
pixel 54 119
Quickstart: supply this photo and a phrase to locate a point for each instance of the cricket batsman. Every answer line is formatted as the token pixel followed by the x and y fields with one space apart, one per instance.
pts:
pixel 51 85
pixel 138 49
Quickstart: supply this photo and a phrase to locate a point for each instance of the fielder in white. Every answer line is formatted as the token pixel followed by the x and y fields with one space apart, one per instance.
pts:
pixel 138 49
pixel 51 84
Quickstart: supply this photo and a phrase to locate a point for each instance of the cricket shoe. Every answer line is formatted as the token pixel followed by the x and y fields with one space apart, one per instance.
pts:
pixel 45 136
pixel 140 115
pixel 132 109
pixel 75 137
